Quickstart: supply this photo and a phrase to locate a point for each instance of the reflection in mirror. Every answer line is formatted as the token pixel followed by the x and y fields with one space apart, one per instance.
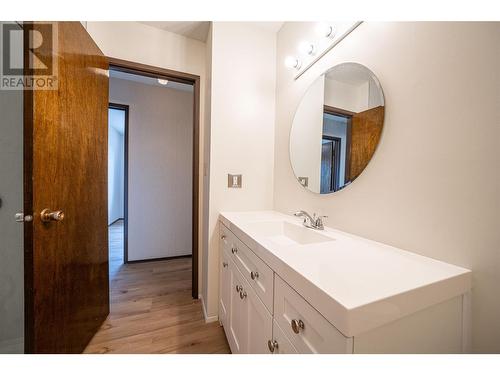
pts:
pixel 336 128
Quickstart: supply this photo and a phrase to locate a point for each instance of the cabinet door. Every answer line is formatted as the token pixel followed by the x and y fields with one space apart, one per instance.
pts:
pixel 259 324
pixel 305 327
pixel 250 323
pixel 236 315
pixel 225 289
pixel 280 343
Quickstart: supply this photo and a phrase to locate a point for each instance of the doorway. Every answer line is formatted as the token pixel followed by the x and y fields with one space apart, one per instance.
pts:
pixel 161 164
pixel 118 115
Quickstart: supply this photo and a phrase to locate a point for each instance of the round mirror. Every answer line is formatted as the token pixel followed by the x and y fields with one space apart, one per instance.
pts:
pixel 336 128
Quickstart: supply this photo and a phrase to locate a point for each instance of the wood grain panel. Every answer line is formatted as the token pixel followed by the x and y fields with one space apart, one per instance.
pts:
pixel 69 294
pixel 366 128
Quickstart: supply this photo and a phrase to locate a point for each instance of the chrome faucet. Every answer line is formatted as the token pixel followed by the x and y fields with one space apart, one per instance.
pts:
pixel 313 222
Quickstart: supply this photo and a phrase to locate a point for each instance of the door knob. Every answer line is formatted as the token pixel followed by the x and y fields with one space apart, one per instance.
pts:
pixel 47 215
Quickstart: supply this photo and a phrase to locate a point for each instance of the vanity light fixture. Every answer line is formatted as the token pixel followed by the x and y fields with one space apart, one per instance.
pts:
pixel 292 62
pixel 162 81
pixel 307 48
pixel 325 30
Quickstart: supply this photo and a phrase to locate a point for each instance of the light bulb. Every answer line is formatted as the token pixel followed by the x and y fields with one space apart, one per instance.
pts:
pixel 325 30
pixel 292 62
pixel 306 48
pixel 162 81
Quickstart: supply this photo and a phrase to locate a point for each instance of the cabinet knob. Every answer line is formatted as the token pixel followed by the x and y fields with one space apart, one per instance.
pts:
pixel 254 275
pixel 239 288
pixel 272 345
pixel 224 264
pixel 297 325
pixel 223 237
pixel 234 250
pixel 243 294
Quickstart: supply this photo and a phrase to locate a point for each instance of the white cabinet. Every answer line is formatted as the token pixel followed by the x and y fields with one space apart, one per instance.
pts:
pixel 264 314
pixel 257 273
pixel 224 288
pixel 306 328
pixel 280 343
pixel 248 324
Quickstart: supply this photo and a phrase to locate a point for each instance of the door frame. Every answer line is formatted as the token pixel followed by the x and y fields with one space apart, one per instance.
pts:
pixel 334 179
pixel 194 80
pixel 124 107
pixel 348 116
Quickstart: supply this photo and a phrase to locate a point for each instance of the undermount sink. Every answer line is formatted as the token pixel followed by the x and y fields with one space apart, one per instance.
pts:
pixel 285 233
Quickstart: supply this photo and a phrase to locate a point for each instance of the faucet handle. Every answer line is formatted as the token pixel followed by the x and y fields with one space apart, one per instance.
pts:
pixel 319 221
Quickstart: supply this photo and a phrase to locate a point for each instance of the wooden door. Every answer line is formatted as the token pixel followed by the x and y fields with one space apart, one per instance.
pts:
pixel 366 128
pixel 67 291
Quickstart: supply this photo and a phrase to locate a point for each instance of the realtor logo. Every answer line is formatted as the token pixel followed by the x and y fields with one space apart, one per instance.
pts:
pixel 28 56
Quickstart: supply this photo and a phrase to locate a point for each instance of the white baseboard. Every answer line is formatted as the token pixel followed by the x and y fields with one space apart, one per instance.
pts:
pixel 208 319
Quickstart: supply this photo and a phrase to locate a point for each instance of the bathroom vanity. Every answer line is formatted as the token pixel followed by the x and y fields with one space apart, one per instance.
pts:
pixel 285 288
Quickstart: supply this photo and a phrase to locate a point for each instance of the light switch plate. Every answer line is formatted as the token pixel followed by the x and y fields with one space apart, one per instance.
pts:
pixel 234 180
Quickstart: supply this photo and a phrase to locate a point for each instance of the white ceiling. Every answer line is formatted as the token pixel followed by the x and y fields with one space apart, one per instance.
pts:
pixel 150 81
pixel 352 74
pixel 192 29
pixel 199 29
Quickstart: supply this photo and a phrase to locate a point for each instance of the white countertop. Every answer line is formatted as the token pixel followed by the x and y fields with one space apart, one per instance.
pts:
pixel 357 284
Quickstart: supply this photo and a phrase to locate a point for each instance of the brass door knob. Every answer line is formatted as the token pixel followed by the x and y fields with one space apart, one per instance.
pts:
pixel 47 215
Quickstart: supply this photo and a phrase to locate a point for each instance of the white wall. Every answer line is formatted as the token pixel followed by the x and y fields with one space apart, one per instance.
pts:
pixel 242 130
pixel 433 185
pixel 11 233
pixel 206 168
pixel 11 202
pixel 141 43
pixel 115 167
pixel 306 134
pixel 160 149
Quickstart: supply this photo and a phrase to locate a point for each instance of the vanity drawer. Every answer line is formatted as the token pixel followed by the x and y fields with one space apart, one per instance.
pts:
pixel 258 274
pixel 226 238
pixel 306 328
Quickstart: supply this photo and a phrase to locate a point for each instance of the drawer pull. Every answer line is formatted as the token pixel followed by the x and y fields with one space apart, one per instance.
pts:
pixel 243 294
pixel 254 275
pixel 234 250
pixel 223 237
pixel 272 345
pixel 297 325
pixel 239 288
pixel 224 264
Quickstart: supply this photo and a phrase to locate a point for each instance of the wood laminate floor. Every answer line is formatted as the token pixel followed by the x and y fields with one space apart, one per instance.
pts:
pixel 152 310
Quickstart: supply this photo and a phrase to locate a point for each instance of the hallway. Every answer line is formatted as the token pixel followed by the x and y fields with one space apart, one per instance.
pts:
pixel 152 310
